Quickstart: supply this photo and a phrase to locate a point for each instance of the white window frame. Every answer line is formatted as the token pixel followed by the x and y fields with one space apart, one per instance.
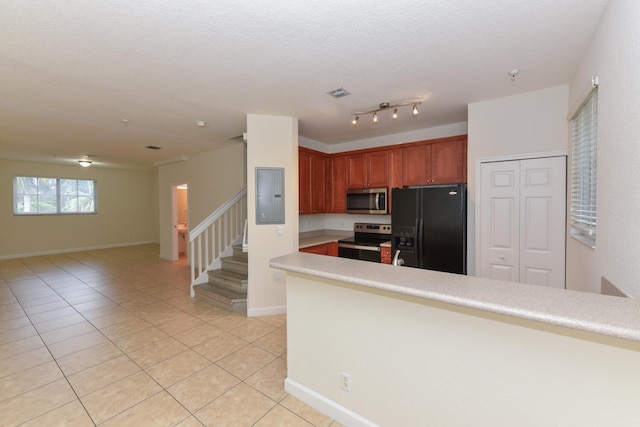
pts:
pixel 54 199
pixel 583 180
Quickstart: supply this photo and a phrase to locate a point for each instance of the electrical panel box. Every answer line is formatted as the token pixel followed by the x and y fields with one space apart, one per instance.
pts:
pixel 269 195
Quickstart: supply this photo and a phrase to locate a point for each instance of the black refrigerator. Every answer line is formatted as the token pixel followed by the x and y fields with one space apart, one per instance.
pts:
pixel 429 227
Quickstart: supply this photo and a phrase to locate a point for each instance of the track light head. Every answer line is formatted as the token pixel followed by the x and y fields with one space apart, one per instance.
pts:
pixel 375 118
pixel 355 120
pixel 414 110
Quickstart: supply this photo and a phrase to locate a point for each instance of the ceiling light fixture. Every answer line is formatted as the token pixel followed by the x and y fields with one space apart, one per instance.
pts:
pixel 84 163
pixel 386 106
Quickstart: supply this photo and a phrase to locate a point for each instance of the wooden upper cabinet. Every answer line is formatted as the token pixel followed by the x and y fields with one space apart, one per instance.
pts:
pixel 435 163
pixel 366 170
pixel 311 184
pixel 336 185
pixel 325 178
pixel 416 162
pixel 304 182
pixel 318 184
pixel 378 169
pixel 449 162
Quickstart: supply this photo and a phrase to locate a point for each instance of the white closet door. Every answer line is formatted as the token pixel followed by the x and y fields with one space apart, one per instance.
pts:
pixel 542 221
pixel 522 221
pixel 499 224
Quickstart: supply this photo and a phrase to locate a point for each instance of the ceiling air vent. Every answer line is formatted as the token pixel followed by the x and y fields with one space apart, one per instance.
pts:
pixel 153 147
pixel 339 93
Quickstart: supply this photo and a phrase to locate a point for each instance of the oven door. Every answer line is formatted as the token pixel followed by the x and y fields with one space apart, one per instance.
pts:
pixel 361 252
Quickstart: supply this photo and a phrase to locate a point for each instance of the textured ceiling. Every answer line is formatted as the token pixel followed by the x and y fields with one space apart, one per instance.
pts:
pixel 70 72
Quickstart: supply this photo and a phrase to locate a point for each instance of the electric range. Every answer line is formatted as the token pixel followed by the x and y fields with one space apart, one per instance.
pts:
pixel 366 241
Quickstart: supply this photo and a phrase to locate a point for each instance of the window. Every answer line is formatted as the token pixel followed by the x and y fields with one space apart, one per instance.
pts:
pixel 584 135
pixel 51 196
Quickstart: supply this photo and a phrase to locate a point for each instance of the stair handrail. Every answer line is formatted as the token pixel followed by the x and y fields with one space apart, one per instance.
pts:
pixel 217 233
pixel 198 229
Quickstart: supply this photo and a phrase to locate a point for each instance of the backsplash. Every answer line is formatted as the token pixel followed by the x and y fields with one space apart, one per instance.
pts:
pixel 337 221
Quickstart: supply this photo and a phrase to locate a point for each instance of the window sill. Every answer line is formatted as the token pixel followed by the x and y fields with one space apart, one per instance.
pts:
pixel 585 240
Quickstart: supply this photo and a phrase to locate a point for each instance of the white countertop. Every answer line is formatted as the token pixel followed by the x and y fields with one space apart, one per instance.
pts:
pixel 606 315
pixel 313 238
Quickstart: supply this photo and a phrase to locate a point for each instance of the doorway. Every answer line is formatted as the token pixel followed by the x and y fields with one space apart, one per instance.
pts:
pixel 180 221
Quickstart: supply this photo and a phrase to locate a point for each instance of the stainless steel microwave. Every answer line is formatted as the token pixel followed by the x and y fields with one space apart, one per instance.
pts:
pixel 367 201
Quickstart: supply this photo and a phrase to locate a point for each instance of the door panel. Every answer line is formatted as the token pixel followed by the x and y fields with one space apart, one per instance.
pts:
pixel 542 225
pixel 499 244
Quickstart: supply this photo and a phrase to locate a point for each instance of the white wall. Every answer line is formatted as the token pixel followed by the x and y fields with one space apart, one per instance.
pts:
pixel 533 122
pixel 127 211
pixel 212 177
pixel 415 362
pixel 613 55
pixel 272 141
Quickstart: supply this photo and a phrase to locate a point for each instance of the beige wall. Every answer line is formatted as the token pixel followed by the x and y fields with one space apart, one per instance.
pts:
pixel 418 363
pixel 213 178
pixel 127 211
pixel 272 141
pixel 183 207
pixel 533 122
pixel 614 56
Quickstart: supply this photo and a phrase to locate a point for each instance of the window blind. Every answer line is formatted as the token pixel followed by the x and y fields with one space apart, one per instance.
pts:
pixel 584 169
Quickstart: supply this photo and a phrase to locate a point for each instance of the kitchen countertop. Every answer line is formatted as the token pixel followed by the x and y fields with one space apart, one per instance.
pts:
pixel 320 237
pixel 601 314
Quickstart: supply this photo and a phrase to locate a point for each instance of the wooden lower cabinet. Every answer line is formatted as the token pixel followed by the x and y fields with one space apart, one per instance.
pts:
pixel 385 255
pixel 330 249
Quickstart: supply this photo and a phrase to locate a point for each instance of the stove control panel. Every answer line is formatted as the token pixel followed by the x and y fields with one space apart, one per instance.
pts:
pixel 362 227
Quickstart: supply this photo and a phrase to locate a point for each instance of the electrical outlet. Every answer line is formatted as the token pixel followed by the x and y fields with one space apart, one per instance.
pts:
pixel 345 381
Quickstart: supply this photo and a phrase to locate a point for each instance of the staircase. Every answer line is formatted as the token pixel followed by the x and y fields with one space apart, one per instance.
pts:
pixel 227 286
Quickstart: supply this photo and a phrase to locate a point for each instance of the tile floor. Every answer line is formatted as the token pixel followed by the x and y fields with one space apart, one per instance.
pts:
pixel 112 338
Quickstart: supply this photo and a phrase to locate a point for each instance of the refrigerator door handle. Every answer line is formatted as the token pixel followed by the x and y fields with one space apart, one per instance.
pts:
pixel 418 240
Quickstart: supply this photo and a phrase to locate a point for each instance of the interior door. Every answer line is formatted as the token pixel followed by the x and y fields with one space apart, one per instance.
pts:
pixel 522 221
pixel 542 221
pixel 499 221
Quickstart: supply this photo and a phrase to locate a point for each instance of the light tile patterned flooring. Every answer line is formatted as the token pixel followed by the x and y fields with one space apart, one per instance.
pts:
pixel 112 338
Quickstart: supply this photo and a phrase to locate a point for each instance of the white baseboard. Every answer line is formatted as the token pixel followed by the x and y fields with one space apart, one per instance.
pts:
pixel 64 251
pixel 268 311
pixel 326 406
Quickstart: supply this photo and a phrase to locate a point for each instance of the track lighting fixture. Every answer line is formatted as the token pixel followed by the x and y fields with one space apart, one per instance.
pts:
pixel 386 106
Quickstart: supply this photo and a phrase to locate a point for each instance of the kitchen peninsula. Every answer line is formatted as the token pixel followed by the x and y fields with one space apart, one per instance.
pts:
pixel 429 348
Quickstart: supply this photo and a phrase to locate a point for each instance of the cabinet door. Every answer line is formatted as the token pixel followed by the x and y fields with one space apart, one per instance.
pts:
pixel 304 185
pixel 336 190
pixel 448 162
pixel 318 249
pixel 317 184
pixel 332 249
pixel 378 169
pixel 415 165
pixel 357 171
